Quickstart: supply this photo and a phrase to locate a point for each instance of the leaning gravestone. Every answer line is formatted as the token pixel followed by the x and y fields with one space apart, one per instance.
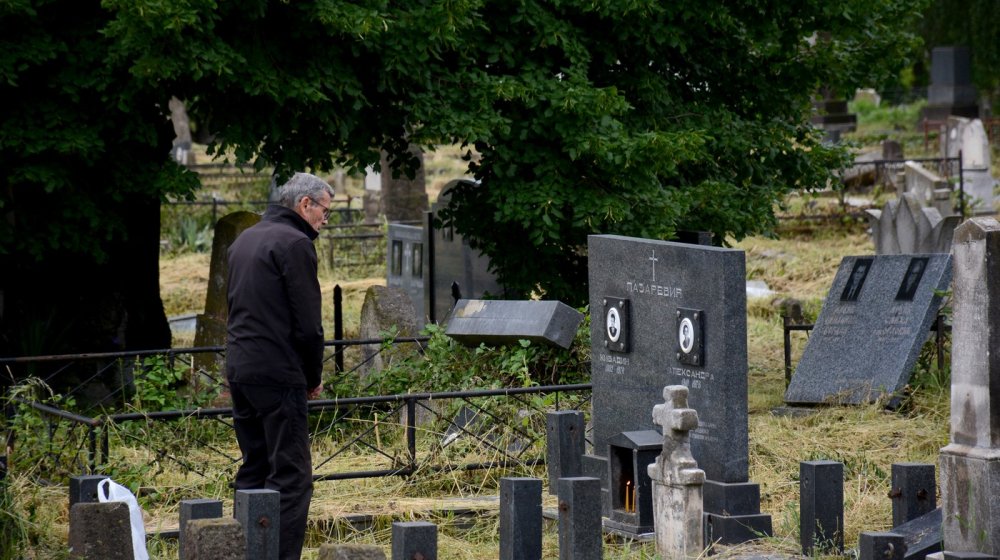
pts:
pixel 385 310
pixel 868 337
pixel 665 313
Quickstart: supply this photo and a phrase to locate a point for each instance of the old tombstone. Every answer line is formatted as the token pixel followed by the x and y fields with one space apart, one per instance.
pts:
pixel 677 480
pixel 970 463
pixel 100 530
pixel 905 226
pixel 210 326
pixel 499 322
pixel 385 310
pixel 951 91
pixel 259 512
pixel 214 539
pixel 565 438
pixel 667 313
pixel 831 115
pixel 191 510
pixel 404 199
pixel 455 270
pixel 350 552
pixel 821 507
pixel 405 266
pixel 520 519
pixel 922 536
pixel 414 539
pixel 580 536
pixel 873 324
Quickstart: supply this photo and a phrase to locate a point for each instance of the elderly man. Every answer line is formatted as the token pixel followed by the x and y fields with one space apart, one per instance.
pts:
pixel 274 353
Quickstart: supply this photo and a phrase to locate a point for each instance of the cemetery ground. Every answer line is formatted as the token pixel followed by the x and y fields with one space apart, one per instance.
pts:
pixel 800 265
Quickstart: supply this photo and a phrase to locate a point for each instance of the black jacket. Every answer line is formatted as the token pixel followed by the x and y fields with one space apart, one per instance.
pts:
pixel 275 332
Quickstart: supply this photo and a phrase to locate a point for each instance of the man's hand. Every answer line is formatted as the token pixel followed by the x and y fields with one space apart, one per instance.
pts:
pixel 314 392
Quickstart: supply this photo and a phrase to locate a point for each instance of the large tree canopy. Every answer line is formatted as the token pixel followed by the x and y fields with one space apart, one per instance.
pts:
pixel 633 117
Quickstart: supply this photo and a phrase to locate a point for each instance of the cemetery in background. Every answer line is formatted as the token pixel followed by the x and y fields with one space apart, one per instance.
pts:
pixel 440 420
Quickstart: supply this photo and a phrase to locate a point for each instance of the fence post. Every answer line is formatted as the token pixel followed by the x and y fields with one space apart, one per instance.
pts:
pixel 411 431
pixel 785 319
pixel 338 328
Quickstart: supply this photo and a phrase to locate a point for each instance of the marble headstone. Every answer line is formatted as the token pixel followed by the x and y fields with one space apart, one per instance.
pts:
pixel 874 321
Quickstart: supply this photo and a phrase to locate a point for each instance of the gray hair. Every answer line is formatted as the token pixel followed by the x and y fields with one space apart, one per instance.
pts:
pixel 300 185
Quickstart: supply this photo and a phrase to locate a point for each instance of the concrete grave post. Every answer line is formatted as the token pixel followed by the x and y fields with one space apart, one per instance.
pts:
pixel 259 512
pixel 520 519
pixel 970 463
pixel 414 540
pixel 677 481
pixel 566 435
pixel 192 510
pixel 100 530
pixel 83 488
pixel 914 491
pixel 881 546
pixel 821 506
pixel 580 534
pixel 214 539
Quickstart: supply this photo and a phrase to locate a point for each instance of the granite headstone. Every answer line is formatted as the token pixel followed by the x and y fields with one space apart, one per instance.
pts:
pixel 868 337
pixel 405 266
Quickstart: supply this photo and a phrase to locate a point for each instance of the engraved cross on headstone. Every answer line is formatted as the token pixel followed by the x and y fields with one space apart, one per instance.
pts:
pixel 654 259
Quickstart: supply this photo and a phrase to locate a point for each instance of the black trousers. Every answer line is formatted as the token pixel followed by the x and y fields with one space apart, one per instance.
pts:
pixel 273 434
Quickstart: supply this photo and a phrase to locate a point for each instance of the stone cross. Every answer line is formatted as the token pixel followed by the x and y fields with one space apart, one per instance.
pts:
pixel 677 480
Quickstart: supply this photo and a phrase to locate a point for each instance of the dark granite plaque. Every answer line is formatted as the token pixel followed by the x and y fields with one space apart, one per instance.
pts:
pixel 870 331
pixel 405 266
pixel 667 286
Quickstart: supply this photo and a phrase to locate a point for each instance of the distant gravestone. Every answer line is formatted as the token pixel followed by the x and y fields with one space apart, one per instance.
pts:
pixel 456 270
pixel 181 150
pixel 951 91
pixel 665 313
pixel 873 324
pixel 497 322
pixel 210 327
pixel 906 226
pixel 405 266
pixel 384 310
pixel 967 138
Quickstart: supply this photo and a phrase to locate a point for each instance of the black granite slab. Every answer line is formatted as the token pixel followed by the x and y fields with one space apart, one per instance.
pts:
pixel 665 313
pixel 874 321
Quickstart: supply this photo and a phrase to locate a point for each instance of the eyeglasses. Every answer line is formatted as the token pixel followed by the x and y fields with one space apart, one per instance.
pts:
pixel 326 211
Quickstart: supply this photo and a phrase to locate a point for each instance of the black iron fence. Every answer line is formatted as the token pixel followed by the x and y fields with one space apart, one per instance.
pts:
pixel 388 435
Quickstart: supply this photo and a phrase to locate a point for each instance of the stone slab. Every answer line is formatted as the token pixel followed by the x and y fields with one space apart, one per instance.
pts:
pixel 195 509
pixel 214 539
pixel 871 329
pixel 100 530
pixel 651 289
pixel 413 538
pixel 500 322
pixel 350 552
pixel 736 529
pixel 821 506
pixel 921 535
pixel 914 491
